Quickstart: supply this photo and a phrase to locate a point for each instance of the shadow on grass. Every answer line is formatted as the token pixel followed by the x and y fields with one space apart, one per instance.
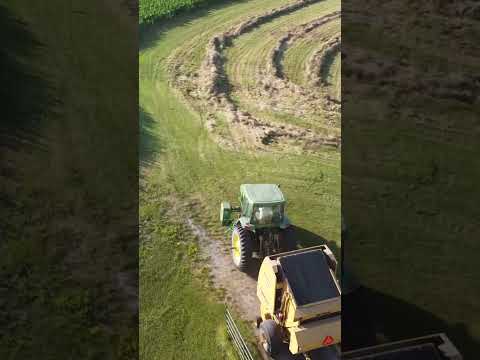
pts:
pixel 150 145
pixel 132 6
pixel 327 65
pixel 367 312
pixel 26 94
pixel 151 33
pixel 305 239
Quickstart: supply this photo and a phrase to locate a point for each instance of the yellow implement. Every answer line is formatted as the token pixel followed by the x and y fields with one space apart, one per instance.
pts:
pixel 300 300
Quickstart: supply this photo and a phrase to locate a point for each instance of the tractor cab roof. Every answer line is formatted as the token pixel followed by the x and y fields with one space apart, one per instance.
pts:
pixel 262 193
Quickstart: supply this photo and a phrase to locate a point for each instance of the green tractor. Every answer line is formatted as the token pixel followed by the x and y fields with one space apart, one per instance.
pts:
pixel 262 228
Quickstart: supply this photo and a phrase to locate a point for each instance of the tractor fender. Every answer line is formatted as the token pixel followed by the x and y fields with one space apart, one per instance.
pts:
pixel 244 221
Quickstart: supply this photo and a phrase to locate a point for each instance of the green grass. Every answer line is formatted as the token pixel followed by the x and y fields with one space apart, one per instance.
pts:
pixel 180 316
pixel 194 166
pixel 416 180
pixel 152 10
pixel 297 56
pixel 334 77
pixel 60 233
pixel 197 175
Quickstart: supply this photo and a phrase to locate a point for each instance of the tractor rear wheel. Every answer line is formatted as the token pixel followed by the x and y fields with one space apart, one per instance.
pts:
pixel 241 247
pixel 288 241
pixel 270 337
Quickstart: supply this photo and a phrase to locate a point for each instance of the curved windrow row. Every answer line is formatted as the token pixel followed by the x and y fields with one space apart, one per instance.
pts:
pixel 323 68
pixel 314 106
pixel 212 89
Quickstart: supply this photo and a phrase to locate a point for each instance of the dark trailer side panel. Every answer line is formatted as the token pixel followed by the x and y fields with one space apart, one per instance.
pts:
pixel 423 348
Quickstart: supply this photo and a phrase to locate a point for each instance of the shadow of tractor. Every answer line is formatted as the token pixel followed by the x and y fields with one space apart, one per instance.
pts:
pixel 305 239
pixel 150 144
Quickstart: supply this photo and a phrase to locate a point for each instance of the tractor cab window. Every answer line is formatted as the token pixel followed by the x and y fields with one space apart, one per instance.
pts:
pixel 245 206
pixel 264 215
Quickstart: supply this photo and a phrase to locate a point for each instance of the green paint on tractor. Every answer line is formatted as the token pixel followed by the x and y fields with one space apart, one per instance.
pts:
pixel 261 227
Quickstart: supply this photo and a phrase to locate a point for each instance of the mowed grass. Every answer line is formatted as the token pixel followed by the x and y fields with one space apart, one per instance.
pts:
pixel 250 55
pixel 197 175
pixel 297 56
pixel 411 170
pixel 198 167
pixel 71 227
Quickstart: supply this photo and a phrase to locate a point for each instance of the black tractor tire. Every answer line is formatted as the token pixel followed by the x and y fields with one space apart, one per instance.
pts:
pixel 245 246
pixel 288 240
pixel 270 336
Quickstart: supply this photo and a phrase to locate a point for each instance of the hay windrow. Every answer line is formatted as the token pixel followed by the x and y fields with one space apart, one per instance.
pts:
pixel 211 90
pixel 276 89
pixel 318 64
pixel 287 40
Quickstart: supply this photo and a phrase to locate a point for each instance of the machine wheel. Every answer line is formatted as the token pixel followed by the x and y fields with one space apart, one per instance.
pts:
pixel 270 337
pixel 288 241
pixel 241 247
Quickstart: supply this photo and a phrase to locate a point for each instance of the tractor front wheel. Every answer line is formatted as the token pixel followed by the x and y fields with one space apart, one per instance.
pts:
pixel 241 247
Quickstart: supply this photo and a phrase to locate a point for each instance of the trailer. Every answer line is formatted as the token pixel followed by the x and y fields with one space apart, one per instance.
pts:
pixel 431 347
pixel 300 302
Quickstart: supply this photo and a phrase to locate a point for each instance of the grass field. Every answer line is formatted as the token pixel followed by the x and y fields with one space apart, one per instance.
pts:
pixel 190 160
pixel 172 302
pixel 413 191
pixel 299 54
pixel 65 230
pixel 179 156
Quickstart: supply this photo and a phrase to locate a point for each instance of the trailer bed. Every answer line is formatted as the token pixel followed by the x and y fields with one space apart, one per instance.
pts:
pixel 309 277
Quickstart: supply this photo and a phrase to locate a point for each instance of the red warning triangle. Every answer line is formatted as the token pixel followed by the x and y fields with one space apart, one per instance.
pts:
pixel 328 340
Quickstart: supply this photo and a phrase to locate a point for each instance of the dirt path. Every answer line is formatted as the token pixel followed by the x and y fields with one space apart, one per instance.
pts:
pixel 240 288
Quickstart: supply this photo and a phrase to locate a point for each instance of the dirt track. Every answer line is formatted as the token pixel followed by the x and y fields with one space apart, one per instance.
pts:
pixel 240 288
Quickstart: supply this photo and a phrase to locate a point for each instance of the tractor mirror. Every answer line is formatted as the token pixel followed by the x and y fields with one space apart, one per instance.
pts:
pixel 225 213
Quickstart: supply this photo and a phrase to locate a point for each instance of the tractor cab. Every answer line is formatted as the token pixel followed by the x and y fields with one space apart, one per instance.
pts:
pixel 262 205
pixel 261 228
